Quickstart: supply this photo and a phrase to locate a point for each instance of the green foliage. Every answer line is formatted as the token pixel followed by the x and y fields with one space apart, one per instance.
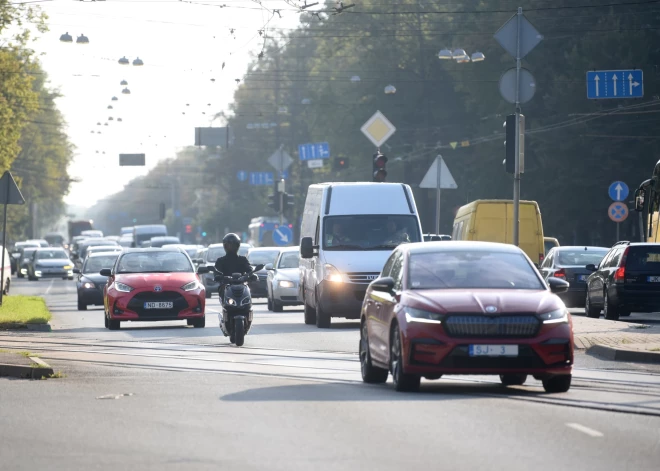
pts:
pixel 18 310
pixel 574 147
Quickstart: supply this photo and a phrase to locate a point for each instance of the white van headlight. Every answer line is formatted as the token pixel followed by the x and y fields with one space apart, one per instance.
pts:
pixel 332 274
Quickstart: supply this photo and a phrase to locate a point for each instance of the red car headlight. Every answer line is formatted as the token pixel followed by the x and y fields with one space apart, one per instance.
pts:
pixel 558 316
pixel 419 315
pixel 123 287
pixel 193 285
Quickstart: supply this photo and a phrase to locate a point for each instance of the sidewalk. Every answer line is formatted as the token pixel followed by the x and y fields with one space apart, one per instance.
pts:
pixel 19 365
pixel 617 340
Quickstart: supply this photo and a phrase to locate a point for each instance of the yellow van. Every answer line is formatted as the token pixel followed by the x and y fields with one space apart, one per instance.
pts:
pixel 492 221
pixel 550 243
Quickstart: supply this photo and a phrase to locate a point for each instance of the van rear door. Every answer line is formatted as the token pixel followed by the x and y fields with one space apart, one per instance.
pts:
pixel 490 223
pixel 531 234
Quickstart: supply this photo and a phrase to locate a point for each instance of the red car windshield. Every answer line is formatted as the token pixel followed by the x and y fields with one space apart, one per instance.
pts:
pixel 472 270
pixel 154 262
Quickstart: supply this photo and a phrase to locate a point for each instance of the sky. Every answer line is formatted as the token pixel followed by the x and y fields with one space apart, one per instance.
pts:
pixel 183 46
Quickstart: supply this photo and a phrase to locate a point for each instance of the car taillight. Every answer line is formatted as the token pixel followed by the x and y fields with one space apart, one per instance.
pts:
pixel 620 274
pixel 541 258
pixel 560 274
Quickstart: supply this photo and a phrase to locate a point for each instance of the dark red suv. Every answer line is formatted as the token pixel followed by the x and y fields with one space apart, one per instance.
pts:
pixel 626 280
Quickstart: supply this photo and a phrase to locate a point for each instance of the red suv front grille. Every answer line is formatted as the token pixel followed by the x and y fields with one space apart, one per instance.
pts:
pixel 502 326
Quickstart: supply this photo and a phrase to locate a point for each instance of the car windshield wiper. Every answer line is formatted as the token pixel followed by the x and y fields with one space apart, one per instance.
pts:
pixel 384 246
pixel 344 247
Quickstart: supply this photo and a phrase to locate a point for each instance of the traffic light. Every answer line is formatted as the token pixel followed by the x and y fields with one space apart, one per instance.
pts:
pixel 274 201
pixel 379 170
pixel 287 200
pixel 339 163
pixel 188 228
pixel 162 211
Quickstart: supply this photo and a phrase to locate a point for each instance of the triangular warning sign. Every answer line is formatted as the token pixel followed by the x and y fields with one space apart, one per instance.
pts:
pixel 9 192
pixel 453 144
pixel 431 178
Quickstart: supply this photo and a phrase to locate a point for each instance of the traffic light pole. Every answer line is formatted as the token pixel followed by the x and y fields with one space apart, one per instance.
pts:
pixel 516 173
pixel 280 190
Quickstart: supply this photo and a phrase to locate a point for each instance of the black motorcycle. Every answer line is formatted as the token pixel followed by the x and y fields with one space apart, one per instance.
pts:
pixel 236 317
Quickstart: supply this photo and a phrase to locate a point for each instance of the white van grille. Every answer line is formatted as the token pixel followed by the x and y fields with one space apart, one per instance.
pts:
pixel 363 277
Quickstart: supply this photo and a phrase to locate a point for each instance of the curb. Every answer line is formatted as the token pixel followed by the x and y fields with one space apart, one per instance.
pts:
pixel 618 354
pixel 27 371
pixel 32 327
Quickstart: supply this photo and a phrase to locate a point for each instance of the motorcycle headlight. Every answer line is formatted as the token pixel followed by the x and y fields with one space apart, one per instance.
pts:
pixel 190 286
pixel 558 316
pixel 332 274
pixel 231 302
pixel 123 287
pixel 419 315
pixel 287 284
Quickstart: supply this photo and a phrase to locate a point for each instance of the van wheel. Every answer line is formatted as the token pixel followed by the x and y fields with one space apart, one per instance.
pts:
pixel 310 315
pixel 323 319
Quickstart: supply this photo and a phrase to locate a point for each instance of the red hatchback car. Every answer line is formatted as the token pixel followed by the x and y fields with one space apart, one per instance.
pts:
pixel 153 285
pixel 465 308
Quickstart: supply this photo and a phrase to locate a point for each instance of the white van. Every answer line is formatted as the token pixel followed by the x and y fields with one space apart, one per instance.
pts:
pixel 348 231
pixel 6 282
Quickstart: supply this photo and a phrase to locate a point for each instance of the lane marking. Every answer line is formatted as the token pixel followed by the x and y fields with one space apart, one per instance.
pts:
pixel 581 428
pixel 49 287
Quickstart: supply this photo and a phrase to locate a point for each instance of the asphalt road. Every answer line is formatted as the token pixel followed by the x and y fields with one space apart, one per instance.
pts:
pixel 168 396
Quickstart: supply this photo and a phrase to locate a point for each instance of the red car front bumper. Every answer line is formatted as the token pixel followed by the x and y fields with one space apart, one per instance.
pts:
pixel 428 350
pixel 132 306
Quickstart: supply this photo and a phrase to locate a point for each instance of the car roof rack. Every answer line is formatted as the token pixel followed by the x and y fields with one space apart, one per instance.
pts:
pixel 622 242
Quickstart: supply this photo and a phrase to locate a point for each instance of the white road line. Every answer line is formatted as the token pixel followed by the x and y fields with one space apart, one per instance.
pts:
pixel 581 428
pixel 49 287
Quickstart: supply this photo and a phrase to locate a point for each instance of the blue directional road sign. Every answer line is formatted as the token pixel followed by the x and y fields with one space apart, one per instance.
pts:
pixel 261 178
pixel 602 84
pixel 618 191
pixel 317 150
pixel 241 175
pixel 618 212
pixel 282 235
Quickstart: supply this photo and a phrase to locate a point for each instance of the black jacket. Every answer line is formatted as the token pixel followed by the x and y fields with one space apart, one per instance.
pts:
pixel 230 264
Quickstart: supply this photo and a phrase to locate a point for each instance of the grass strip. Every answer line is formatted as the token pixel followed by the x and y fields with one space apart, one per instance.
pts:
pixel 22 310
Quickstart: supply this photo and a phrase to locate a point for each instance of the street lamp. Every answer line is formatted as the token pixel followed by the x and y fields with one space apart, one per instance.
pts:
pixel 138 62
pixel 123 61
pixel 66 38
pixel 126 91
pixel 306 101
pixel 109 107
pixel 123 83
pixel 82 39
pixel 478 57
pixel 390 90
pixel 355 78
pixel 114 98
pixel 460 54
pixel 111 118
pixel 119 119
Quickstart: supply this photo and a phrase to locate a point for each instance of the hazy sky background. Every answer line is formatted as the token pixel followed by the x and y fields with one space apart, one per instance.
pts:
pixel 183 46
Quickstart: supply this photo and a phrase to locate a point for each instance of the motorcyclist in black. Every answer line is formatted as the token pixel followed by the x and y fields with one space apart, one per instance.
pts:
pixel 231 262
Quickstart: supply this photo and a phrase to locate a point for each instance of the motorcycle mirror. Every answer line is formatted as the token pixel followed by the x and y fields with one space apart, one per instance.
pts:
pixel 259 267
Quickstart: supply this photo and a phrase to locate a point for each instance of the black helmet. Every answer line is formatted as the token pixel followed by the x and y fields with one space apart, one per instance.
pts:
pixel 231 243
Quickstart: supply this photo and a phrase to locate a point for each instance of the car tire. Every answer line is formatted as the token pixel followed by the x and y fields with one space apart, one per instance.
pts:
pixel 513 379
pixel 590 310
pixel 403 381
pixel 269 303
pixel 105 320
pixel 199 323
pixel 81 306
pixel 7 287
pixel 114 324
pixel 370 373
pixel 557 384
pixel 323 319
pixel 310 314
pixel 19 274
pixel 277 307
pixel 610 310
pixel 624 312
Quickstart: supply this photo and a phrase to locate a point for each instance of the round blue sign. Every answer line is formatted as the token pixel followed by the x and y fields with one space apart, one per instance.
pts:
pixel 242 175
pixel 282 235
pixel 618 191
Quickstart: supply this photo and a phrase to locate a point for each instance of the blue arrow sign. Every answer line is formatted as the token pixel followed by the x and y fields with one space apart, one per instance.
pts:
pixel 317 150
pixel 261 178
pixel 618 191
pixel 241 175
pixel 602 84
pixel 282 235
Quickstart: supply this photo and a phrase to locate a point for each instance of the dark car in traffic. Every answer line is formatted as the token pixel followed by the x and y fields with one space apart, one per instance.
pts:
pixel 16 254
pixel 49 263
pixel 23 259
pixel 261 256
pixel 90 282
pixel 626 280
pixel 464 308
pixel 569 263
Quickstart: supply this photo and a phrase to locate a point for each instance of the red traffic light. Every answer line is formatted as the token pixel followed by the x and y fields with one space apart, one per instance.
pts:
pixel 189 229
pixel 380 160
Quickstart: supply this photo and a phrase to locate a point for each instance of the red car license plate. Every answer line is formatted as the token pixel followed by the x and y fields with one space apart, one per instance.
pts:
pixel 159 305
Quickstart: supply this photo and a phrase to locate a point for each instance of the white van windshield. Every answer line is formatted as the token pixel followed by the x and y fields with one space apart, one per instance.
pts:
pixel 369 232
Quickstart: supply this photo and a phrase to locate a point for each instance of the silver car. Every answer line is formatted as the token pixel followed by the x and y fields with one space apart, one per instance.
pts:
pixel 282 281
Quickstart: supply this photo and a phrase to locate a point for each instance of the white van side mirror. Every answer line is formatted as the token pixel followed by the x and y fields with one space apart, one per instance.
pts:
pixel 307 248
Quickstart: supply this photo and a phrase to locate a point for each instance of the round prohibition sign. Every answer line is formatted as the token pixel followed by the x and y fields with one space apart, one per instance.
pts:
pixel 618 212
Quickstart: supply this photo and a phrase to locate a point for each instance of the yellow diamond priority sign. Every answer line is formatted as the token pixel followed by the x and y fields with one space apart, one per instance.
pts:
pixel 378 129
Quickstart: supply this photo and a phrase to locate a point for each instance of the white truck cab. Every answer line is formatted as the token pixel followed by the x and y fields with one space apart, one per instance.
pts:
pixel 348 232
